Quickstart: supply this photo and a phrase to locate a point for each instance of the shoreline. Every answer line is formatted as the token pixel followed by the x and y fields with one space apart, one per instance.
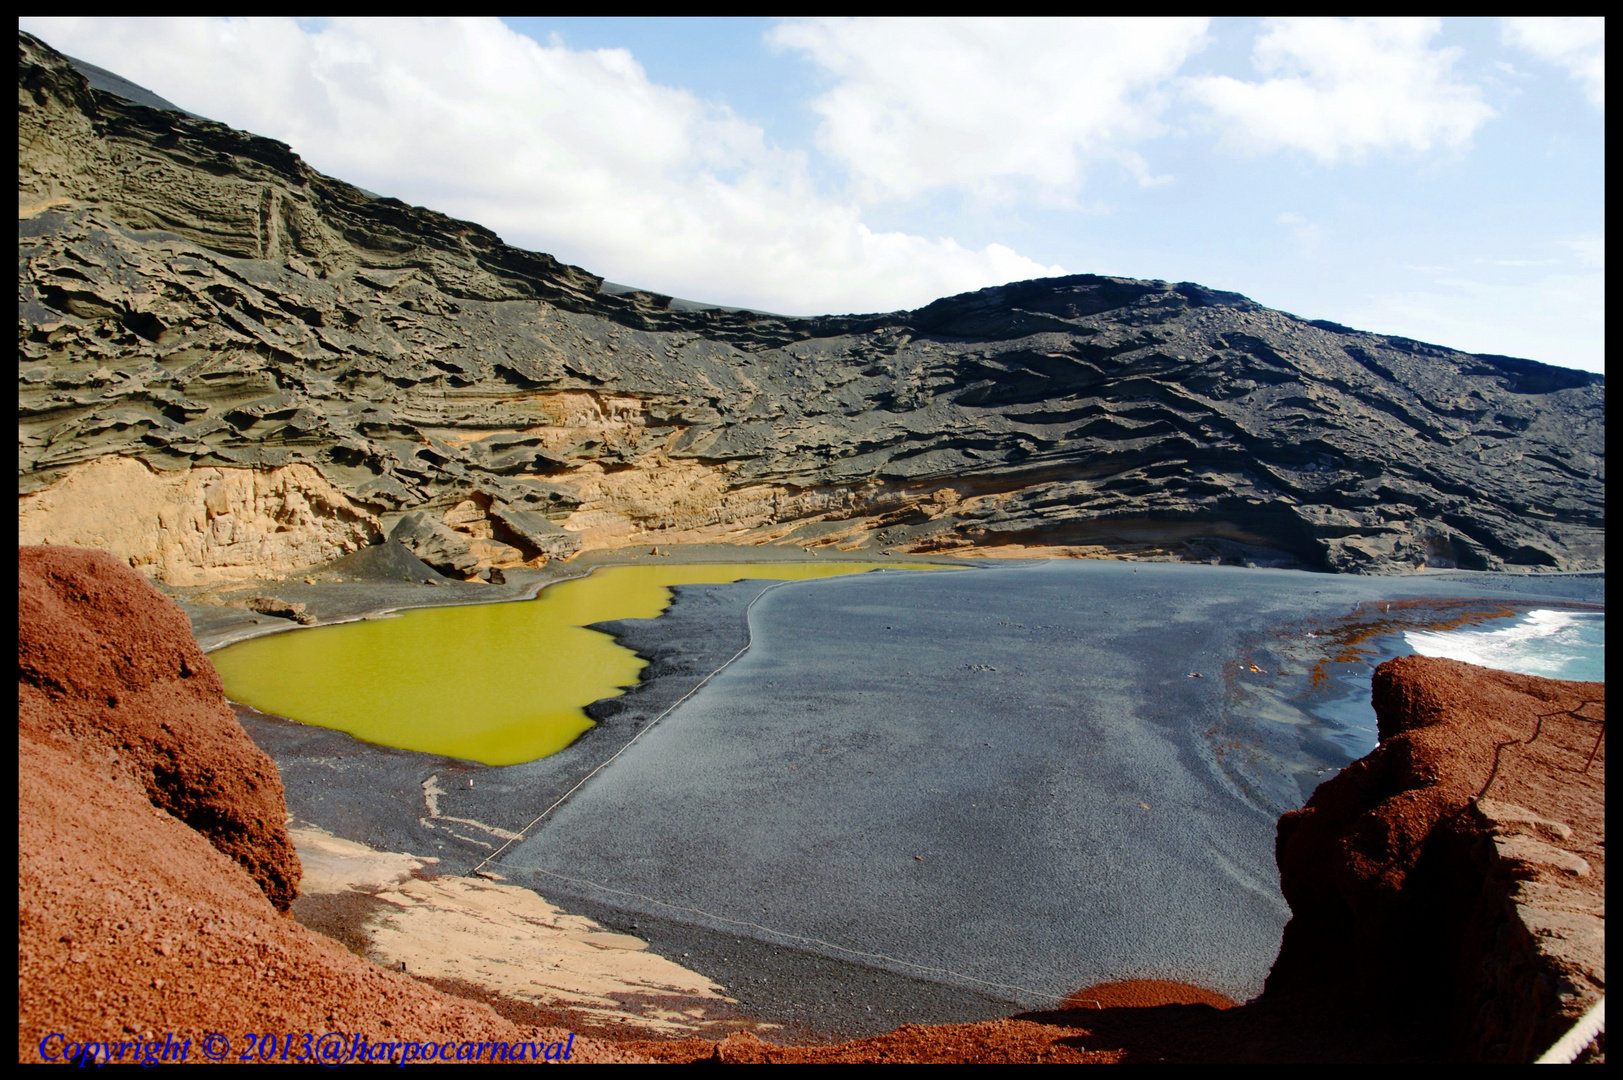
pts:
pixel 216 626
pixel 1255 1027
pixel 702 627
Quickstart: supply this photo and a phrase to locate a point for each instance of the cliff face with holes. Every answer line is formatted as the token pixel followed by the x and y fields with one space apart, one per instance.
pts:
pixel 1457 874
pixel 232 366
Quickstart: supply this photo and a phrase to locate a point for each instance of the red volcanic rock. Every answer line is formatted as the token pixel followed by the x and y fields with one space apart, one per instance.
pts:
pixel 1145 994
pixel 150 845
pixel 1456 875
pixel 108 665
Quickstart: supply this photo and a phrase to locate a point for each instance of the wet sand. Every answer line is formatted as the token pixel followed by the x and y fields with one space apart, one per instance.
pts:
pixel 1097 837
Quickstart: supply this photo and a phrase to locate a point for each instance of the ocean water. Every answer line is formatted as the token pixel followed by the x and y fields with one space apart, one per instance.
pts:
pixel 1341 724
pixel 1546 642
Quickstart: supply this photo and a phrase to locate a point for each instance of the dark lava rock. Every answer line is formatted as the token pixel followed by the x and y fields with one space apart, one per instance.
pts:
pixel 388 561
pixel 191 296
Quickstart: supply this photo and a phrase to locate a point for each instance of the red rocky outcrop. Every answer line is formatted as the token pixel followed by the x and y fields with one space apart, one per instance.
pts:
pixel 151 847
pixel 106 664
pixel 1456 875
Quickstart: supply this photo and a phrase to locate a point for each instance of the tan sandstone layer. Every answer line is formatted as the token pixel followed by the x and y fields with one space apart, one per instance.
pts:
pixel 199 526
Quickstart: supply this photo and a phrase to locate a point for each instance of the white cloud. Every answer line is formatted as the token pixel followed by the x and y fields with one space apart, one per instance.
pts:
pixel 1577 44
pixel 1590 251
pixel 984 105
pixel 1338 89
pixel 576 153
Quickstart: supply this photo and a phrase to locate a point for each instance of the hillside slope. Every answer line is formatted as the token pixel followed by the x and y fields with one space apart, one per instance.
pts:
pixel 147 919
pixel 232 366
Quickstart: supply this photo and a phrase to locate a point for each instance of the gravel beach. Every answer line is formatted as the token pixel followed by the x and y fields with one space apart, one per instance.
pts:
pixel 917 797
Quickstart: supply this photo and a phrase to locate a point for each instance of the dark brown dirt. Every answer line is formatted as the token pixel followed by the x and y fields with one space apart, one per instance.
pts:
pixel 132 925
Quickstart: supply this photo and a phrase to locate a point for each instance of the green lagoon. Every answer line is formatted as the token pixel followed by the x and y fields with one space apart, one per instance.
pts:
pixel 494 683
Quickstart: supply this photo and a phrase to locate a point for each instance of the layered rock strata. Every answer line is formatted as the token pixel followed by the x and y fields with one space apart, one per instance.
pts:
pixel 151 849
pixel 298 368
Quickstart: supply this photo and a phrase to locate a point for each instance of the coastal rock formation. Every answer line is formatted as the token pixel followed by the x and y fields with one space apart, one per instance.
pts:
pixel 110 669
pixel 151 846
pixel 1447 890
pixel 201 525
pixel 1458 872
pixel 198 301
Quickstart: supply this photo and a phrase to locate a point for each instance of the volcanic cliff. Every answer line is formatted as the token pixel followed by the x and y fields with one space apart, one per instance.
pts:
pixel 232 366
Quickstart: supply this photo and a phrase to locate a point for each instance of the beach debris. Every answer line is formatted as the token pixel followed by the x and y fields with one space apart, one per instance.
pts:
pixel 1145 805
pixel 1255 668
pixel 920 858
pixel 1196 675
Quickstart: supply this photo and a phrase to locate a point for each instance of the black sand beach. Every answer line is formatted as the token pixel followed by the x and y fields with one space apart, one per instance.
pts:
pixel 982 789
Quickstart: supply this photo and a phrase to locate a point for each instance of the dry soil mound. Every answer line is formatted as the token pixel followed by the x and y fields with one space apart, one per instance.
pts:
pixel 107 665
pixel 132 923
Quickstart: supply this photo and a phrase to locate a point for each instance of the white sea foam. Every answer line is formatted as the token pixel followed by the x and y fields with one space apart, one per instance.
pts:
pixel 1554 644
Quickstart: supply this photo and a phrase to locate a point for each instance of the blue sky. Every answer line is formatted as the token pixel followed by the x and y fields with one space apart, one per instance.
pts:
pixel 1436 179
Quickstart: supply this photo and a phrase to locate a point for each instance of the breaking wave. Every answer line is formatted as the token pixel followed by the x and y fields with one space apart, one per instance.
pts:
pixel 1554 644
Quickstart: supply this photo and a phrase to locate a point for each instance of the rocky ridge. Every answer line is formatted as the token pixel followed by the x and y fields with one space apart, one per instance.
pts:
pixel 286 368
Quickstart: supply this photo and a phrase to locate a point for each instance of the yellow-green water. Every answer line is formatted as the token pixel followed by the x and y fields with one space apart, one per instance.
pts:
pixel 496 683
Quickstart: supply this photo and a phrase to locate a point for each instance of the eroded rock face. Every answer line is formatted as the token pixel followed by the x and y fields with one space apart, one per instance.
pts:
pixel 202 525
pixel 198 298
pixel 110 668
pixel 1457 873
